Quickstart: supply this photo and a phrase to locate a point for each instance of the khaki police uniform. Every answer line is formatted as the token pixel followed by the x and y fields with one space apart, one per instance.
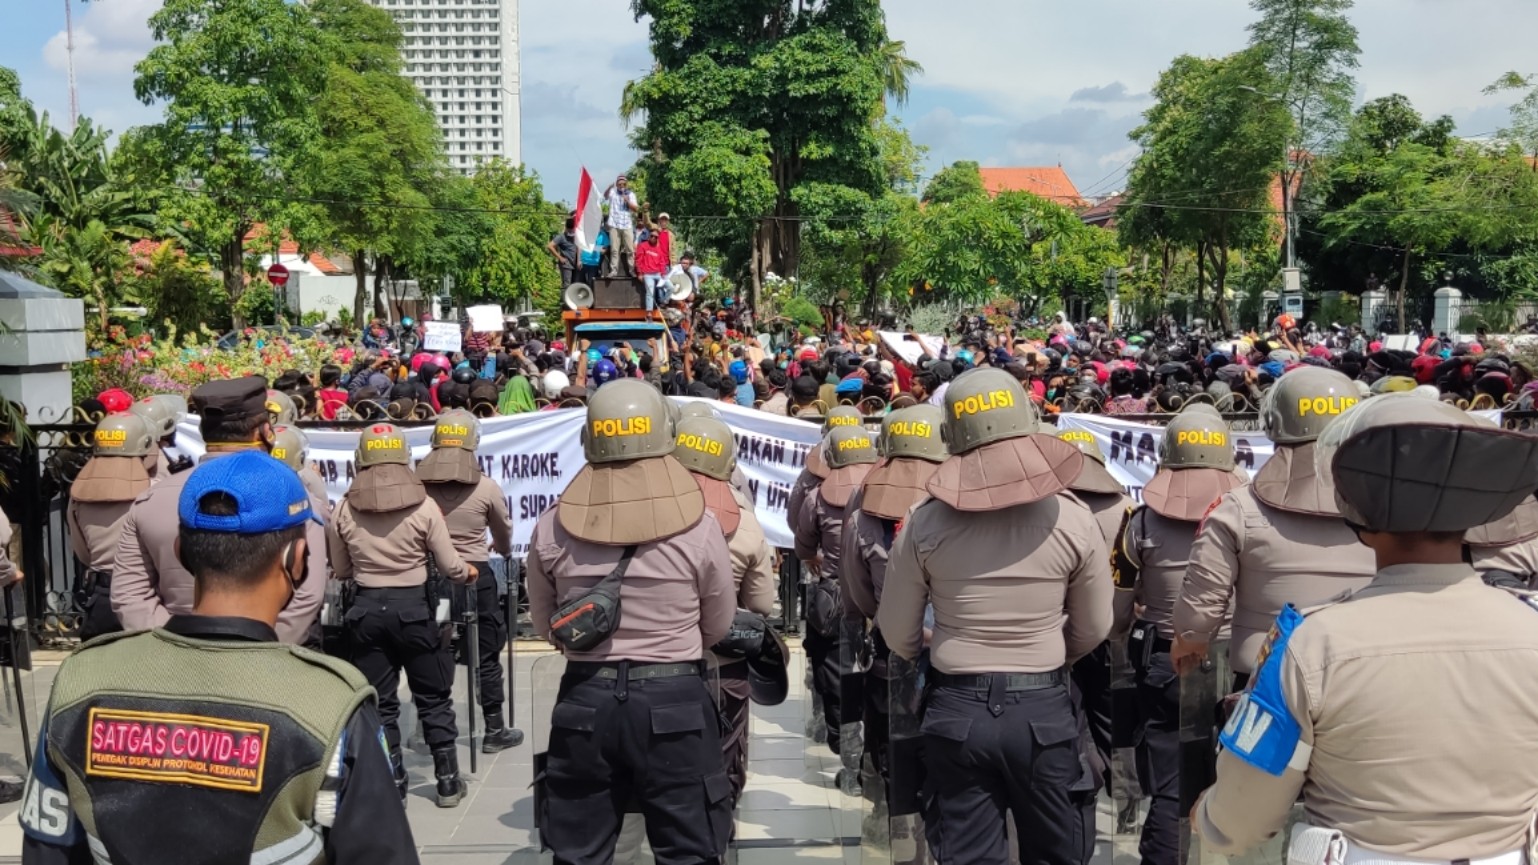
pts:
pixel 163 412
pixel 634 721
pixel 149 584
pixel 1507 549
pixel 707 448
pixel 291 447
pixel 1019 580
pixel 1196 466
pixel 815 470
pixel 1402 714
pixel 472 506
pixel 1280 539
pixel 849 453
pixel 122 466
pixel 384 530
pixel 208 741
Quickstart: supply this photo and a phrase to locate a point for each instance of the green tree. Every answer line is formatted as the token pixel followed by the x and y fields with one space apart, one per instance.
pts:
pixel 1523 131
pixel 512 262
pixel 241 85
pixel 955 182
pixel 380 150
pixel 178 292
pixel 749 104
pixel 1211 147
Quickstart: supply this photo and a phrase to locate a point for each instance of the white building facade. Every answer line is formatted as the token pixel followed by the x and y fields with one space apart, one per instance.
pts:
pixel 463 56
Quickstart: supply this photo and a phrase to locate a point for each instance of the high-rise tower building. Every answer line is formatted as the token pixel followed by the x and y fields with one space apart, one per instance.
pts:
pixel 463 56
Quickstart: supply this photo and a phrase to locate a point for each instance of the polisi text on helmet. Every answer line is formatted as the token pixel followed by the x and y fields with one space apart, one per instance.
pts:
pixel 1319 405
pixel 280 453
pixel 917 429
pixel 1202 437
pixel 389 444
pixel 700 443
pixel 860 443
pixel 843 420
pixel 638 425
pixel 993 399
pixel 1075 435
pixel 110 437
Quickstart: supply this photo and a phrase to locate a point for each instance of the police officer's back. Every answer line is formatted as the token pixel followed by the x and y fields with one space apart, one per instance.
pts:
pixel 1506 550
pixel 123 464
pixel 291 446
pixel 634 719
pixel 472 505
pixel 816 469
pixel 1276 540
pixel 149 584
pixel 1405 713
pixel 384 530
pixel 1020 582
pixel 207 740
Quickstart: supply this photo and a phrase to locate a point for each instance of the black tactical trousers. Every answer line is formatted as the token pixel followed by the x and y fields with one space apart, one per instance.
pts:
pixel 652 742
pixel 1011 751
pixel 822 653
pixel 491 622
pixel 97 617
pixel 1092 679
pixel 736 691
pixel 1158 756
pixel 390 630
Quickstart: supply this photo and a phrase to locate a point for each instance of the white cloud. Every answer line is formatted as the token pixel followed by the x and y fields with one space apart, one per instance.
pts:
pixel 110 37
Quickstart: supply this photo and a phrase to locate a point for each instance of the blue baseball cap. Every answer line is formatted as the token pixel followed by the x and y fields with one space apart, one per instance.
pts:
pixel 269 497
pixel 739 371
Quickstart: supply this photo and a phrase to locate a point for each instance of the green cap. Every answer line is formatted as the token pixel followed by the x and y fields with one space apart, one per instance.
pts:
pixel 842 416
pixel 124 435
pixel 383 444
pixel 706 446
pixel 1197 439
pixel 457 429
pixel 986 405
pixel 627 419
pixel 914 432
pixel 1305 401
pixel 849 446
pixel 290 446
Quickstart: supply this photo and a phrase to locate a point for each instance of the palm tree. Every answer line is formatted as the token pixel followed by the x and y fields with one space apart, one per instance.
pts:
pixel 897 69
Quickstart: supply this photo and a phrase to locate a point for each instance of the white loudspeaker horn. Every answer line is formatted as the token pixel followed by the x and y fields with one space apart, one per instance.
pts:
pixel 579 296
pixel 683 286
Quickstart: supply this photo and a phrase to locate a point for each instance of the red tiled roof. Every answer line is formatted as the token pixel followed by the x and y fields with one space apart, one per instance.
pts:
pixel 1103 213
pixel 286 247
pixel 1050 182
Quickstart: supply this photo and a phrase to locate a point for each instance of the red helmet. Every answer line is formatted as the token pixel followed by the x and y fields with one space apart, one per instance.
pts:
pixel 1285 322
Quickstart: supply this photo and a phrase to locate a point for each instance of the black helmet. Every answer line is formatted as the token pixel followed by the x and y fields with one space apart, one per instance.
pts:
pixel 465 375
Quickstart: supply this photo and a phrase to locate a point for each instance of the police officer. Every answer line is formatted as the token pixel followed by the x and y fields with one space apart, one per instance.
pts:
pixel 384 530
pixel 149 584
pixel 1505 551
pixel 1019 579
pixel 163 412
pixel 911 451
pixel 1196 466
pixel 1092 674
pixel 1403 714
pixel 707 448
pixel 123 464
pixel 849 452
pixel 816 469
pixel 1276 540
pixel 282 408
pixel 473 504
pixel 206 740
pixel 291 447
pixel 634 719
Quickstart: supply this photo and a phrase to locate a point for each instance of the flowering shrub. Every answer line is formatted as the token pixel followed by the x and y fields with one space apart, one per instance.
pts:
pixel 144 366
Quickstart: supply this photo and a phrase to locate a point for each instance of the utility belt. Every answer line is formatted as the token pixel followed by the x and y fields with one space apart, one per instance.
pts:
pixel 1144 642
pixel 622 673
pixel 1316 845
pixel 1009 683
pixel 391 593
pixel 98 579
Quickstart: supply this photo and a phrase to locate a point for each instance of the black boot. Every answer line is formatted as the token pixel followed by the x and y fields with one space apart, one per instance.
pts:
pixel 451 787
pixel 501 739
pixel 398 769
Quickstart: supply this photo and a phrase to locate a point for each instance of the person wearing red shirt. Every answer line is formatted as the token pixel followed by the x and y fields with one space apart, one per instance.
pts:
pixel 650 264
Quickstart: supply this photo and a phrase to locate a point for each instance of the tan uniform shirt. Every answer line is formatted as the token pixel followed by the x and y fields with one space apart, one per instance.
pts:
pixel 676 596
pixel 1520 559
pixel 863 560
pixel 820 531
pixel 149 584
pixel 1159 548
pixel 806 482
pixel 1256 559
pixel 1110 514
pixel 471 509
pixel 94 531
pixel 389 550
pixel 1418 697
pixel 1025 589
pixel 315 485
pixel 752 561
pixel 7 567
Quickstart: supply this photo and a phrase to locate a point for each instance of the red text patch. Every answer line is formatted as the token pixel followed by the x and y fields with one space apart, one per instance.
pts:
pixel 162 747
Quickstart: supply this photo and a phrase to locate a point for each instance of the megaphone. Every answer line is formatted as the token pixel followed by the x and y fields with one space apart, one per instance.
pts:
pixel 579 295
pixel 683 286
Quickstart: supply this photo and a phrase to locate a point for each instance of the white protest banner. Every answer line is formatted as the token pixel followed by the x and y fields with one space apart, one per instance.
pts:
pixel 440 336
pixel 906 348
pixel 1132 449
pixel 486 318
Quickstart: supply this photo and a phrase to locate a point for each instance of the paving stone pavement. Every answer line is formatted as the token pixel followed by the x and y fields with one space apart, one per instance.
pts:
pixel 791 810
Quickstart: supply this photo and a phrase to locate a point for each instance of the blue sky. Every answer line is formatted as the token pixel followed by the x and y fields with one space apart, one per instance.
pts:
pixel 1007 82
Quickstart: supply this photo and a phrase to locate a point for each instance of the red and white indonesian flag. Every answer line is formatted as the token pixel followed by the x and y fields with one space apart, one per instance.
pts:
pixel 589 214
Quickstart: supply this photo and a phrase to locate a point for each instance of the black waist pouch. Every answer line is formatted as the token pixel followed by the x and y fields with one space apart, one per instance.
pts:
pixel 585 622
